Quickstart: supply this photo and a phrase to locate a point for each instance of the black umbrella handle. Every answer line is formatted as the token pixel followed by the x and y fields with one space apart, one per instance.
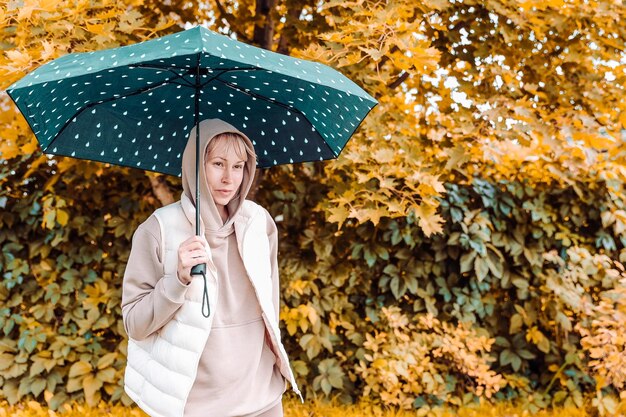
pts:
pixel 199 269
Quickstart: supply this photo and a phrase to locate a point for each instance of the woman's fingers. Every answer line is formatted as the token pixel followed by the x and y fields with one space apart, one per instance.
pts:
pixel 191 252
pixel 194 258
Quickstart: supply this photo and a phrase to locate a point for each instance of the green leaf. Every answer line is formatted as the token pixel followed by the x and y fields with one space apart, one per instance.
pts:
pixel 495 264
pixel 49 219
pixel 37 386
pixel 467 261
pixel 398 287
pixel 481 268
pixel 326 386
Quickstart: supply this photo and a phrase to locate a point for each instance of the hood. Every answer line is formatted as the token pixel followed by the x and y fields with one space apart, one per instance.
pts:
pixel 210 218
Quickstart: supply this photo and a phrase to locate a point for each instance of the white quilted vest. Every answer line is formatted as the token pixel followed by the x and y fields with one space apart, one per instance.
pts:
pixel 161 369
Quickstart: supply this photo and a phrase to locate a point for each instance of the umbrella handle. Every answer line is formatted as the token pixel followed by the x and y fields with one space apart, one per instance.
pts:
pixel 199 269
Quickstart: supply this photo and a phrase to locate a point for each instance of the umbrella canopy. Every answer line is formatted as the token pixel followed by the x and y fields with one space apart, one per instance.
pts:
pixel 135 105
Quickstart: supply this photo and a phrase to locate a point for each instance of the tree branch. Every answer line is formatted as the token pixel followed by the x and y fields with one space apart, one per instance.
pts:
pixel 403 76
pixel 386 58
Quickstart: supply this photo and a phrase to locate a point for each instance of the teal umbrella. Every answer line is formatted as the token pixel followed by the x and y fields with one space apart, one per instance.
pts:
pixel 135 105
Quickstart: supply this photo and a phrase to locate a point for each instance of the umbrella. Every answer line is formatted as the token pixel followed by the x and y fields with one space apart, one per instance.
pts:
pixel 135 105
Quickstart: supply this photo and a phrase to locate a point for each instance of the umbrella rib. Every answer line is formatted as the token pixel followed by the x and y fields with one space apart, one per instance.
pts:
pixel 278 103
pixel 258 96
pixel 97 103
pixel 168 69
pixel 191 70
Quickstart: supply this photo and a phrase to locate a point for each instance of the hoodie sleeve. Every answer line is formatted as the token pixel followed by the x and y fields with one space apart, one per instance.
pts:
pixel 149 299
pixel 272 234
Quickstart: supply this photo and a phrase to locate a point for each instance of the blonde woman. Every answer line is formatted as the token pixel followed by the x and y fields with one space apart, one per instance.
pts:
pixel 229 361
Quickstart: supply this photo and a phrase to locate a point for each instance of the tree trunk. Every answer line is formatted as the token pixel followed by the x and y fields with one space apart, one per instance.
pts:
pixel 264 27
pixel 263 37
pixel 161 190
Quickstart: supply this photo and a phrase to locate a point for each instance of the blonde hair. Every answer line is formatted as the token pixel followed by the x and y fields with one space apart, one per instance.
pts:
pixel 228 141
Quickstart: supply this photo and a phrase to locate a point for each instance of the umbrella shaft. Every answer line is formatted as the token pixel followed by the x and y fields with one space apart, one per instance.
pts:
pixel 201 268
pixel 197 123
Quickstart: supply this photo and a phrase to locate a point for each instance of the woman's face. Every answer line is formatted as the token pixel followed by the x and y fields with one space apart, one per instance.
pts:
pixel 224 172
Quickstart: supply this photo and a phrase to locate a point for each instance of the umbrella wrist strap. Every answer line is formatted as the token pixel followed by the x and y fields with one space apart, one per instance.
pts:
pixel 206 310
pixel 201 270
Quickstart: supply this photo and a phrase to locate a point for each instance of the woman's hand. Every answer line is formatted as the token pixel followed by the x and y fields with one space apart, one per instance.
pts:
pixel 191 252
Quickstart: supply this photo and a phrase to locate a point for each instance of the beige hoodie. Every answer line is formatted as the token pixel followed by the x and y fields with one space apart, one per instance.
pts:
pixel 236 374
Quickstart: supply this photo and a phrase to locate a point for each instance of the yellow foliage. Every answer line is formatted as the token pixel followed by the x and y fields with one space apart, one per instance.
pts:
pixel 294 408
pixel 408 360
pixel 605 339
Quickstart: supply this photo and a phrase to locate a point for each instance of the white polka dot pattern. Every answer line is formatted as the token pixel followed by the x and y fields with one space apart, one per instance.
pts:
pixel 135 105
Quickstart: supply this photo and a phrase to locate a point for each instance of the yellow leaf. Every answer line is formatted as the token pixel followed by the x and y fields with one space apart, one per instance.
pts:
pixel 338 215
pixel 6 360
pixel 73 384
pixel 79 368
pixel 48 52
pixel 457 157
pixel 47 395
pixel 97 29
pixel 26 10
pixel 91 385
pixel 395 206
pixel 595 140
pixel 387 183
pixel 106 360
pixel 373 215
pixel 19 59
pixel 62 217
pixel 375 54
pixel 312 314
pixel 379 363
pixel 384 155
pixel 430 222
pixel 8 150
pixel 601 142
pixel 49 5
pixel 438 4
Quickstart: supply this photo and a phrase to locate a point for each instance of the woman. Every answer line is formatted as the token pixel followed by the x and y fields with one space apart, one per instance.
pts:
pixel 231 363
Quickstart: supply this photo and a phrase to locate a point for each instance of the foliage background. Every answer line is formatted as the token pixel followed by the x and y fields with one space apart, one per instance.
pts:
pixel 467 244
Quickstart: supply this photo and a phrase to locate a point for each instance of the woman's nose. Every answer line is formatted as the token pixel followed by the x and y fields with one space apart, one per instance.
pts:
pixel 226 177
